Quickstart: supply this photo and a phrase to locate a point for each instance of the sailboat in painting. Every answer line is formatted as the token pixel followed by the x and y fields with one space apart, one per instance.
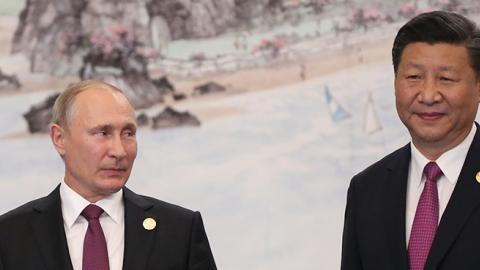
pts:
pixel 371 121
pixel 337 112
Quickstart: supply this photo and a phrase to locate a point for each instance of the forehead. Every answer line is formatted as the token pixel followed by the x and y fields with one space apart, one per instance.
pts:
pixel 438 55
pixel 100 105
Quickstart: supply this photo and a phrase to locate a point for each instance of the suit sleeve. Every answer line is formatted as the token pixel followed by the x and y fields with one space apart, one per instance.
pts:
pixel 351 259
pixel 200 255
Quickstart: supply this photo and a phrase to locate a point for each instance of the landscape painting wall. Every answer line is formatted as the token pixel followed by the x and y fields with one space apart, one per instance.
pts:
pixel 256 113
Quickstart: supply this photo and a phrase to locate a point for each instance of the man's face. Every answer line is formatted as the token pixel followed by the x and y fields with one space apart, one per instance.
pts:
pixel 99 144
pixel 437 95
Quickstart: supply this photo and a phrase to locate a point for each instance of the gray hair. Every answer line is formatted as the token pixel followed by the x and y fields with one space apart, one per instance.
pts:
pixel 63 108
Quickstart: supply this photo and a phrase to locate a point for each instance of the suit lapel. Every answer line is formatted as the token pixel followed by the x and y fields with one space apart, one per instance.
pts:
pixel 394 198
pixel 48 230
pixel 138 241
pixel 465 198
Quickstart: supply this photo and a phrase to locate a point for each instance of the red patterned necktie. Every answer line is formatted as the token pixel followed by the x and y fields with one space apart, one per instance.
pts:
pixel 426 219
pixel 95 255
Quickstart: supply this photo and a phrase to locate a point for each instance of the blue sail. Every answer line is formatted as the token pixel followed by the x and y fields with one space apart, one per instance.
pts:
pixel 337 112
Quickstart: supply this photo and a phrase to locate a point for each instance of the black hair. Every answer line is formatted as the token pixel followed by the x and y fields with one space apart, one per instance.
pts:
pixel 439 27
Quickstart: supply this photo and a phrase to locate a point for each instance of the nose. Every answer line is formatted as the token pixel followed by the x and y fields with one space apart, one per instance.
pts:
pixel 429 93
pixel 117 149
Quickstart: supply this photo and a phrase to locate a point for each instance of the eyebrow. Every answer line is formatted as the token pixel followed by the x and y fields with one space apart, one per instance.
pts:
pixel 441 68
pixel 446 68
pixel 415 65
pixel 101 127
pixel 110 127
pixel 131 126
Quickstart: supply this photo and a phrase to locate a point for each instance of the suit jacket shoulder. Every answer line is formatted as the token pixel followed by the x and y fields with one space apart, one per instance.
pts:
pixel 156 205
pixel 24 211
pixel 32 236
pixel 20 213
pixel 177 241
pixel 400 158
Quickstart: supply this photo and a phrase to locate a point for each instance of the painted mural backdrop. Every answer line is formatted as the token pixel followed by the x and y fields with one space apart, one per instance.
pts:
pixel 256 113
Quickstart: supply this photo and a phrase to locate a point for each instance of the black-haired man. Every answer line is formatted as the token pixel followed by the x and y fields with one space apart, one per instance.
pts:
pixel 419 207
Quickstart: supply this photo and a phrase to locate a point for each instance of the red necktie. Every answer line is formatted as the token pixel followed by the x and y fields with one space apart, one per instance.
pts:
pixel 426 219
pixel 95 255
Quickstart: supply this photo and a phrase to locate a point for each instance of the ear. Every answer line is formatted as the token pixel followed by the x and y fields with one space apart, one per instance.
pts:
pixel 478 90
pixel 57 134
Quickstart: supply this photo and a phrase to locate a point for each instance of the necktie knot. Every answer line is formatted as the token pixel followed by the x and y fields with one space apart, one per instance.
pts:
pixel 91 212
pixel 432 171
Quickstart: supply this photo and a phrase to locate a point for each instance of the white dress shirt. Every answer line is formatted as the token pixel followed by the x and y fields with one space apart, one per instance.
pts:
pixel 112 222
pixel 450 162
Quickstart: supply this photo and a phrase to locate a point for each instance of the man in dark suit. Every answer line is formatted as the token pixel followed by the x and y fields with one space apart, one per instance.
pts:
pixel 419 207
pixel 91 221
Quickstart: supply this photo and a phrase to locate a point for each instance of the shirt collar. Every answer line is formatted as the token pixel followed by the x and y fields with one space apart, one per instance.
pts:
pixel 450 162
pixel 73 205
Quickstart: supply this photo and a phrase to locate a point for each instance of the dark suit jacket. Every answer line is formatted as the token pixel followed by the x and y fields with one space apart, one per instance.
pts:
pixel 33 237
pixel 374 231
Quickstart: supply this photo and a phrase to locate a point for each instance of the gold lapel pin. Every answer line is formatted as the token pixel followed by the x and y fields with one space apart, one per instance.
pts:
pixel 478 177
pixel 149 224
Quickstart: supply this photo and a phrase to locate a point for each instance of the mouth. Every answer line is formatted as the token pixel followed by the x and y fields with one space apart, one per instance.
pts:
pixel 430 116
pixel 114 170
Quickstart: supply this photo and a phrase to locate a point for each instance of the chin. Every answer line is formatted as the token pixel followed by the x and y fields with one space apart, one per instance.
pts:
pixel 107 191
pixel 114 183
pixel 429 136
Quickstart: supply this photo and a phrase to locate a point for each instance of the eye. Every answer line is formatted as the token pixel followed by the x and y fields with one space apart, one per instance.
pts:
pixel 413 77
pixel 447 79
pixel 101 133
pixel 129 133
